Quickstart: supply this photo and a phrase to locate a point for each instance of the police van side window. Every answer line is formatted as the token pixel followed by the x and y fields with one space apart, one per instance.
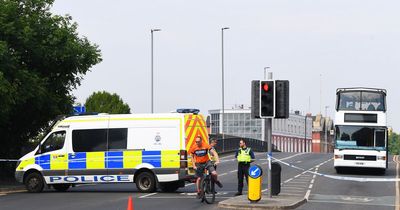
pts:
pixel 54 142
pixel 89 140
pixel 117 138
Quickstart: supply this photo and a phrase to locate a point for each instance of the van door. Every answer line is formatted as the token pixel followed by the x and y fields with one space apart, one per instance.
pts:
pixel 52 156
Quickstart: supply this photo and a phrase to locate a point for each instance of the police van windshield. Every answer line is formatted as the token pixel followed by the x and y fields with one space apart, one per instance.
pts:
pixel 361 101
pixel 360 137
pixel 54 142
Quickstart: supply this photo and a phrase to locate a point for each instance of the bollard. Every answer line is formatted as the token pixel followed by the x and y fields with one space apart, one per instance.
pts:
pixel 255 183
pixel 275 178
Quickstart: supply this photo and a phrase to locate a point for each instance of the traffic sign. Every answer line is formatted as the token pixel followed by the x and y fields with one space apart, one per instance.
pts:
pixel 255 183
pixel 79 109
pixel 255 171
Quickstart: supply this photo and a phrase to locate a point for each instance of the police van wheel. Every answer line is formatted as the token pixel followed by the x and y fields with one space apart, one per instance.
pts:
pixel 34 182
pixel 61 187
pixel 169 186
pixel 146 182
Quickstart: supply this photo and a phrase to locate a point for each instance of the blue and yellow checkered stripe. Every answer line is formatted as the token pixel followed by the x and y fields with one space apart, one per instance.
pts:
pixel 109 160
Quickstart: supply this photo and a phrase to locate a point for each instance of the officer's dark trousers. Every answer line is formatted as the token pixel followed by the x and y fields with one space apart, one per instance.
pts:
pixel 243 172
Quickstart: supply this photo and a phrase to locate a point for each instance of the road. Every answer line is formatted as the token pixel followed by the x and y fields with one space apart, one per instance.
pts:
pixel 322 192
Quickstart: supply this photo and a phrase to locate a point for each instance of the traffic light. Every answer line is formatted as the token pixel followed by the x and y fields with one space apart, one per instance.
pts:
pixel 281 99
pixel 267 99
pixel 255 99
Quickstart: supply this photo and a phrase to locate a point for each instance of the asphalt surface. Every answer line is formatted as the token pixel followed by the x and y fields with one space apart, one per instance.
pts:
pixel 322 192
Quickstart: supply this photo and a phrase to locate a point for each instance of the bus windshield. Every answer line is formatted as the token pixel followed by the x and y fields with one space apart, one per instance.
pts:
pixel 360 137
pixel 361 100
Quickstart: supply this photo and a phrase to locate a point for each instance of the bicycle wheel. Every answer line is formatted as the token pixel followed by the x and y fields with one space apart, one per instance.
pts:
pixel 202 188
pixel 209 190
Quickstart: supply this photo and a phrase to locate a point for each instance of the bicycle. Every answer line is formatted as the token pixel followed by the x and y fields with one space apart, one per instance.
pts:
pixel 207 188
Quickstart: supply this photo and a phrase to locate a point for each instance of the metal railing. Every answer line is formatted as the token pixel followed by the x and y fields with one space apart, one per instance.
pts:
pixel 231 144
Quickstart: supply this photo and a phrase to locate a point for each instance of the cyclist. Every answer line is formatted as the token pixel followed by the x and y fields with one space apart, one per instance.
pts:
pixel 201 161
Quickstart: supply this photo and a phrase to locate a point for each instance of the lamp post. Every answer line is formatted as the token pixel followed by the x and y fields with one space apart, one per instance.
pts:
pixel 265 72
pixel 326 129
pixel 223 100
pixel 152 84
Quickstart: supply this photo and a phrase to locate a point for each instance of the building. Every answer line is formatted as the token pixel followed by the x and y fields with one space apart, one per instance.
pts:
pixel 322 134
pixel 288 135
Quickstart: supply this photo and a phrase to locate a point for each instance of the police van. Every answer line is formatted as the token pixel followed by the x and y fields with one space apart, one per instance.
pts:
pixel 149 150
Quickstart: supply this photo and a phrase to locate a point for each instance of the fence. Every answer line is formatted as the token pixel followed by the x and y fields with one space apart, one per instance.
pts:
pixel 231 144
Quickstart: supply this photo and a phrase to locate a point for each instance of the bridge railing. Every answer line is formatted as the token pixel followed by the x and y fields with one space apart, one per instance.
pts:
pixel 231 144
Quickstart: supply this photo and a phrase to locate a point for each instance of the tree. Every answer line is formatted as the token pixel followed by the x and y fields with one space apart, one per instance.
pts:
pixel 394 144
pixel 104 102
pixel 42 58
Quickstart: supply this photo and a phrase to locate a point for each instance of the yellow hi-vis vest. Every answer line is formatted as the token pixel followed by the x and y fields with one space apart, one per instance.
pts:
pixel 244 155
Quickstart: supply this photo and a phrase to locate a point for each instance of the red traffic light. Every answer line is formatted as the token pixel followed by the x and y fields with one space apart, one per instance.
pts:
pixel 265 87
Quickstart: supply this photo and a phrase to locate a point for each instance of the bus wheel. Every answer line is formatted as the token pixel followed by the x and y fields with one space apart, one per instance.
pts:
pixel 61 187
pixel 34 182
pixel 169 186
pixel 146 182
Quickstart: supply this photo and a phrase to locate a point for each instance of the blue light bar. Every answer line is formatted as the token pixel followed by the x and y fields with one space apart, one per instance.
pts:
pixel 194 111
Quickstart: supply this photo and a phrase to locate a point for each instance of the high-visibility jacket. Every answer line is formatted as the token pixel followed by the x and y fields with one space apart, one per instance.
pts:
pixel 244 155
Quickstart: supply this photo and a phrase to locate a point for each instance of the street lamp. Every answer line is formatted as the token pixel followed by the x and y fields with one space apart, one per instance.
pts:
pixel 265 72
pixel 326 129
pixel 223 101
pixel 152 89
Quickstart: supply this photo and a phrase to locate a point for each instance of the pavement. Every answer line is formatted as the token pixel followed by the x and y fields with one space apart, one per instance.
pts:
pixel 10 187
pixel 282 201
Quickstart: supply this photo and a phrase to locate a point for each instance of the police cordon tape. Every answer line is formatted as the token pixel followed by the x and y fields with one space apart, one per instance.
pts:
pixel 8 160
pixel 344 178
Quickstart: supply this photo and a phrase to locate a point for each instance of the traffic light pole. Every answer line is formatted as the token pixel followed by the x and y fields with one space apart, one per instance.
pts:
pixel 268 139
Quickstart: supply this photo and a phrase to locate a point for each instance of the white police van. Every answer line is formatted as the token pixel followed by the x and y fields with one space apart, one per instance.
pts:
pixel 147 149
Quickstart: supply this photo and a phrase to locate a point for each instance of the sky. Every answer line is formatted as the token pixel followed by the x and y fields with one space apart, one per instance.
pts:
pixel 318 46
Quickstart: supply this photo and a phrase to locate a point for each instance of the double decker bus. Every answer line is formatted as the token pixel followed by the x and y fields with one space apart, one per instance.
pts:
pixel 361 129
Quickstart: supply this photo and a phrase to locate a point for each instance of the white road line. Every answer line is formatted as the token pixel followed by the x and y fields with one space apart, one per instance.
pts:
pixel 310 187
pixel 233 171
pixel 290 187
pixel 145 196
pixel 288 180
pixel 307 194
pixel 350 203
pixel 223 174
pixel 312 181
pixel 299 181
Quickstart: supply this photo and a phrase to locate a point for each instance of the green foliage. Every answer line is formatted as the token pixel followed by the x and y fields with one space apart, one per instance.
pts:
pixel 104 102
pixel 394 144
pixel 42 59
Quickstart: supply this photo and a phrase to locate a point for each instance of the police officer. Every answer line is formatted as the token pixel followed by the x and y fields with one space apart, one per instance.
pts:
pixel 244 157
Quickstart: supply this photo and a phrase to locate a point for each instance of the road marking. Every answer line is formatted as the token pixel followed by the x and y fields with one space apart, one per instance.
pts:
pixel 295 187
pixel 297 182
pixel 233 171
pixel 353 200
pixel 223 174
pixel 310 187
pixel 307 195
pixel 349 203
pixel 145 196
pixel 397 204
pixel 288 180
